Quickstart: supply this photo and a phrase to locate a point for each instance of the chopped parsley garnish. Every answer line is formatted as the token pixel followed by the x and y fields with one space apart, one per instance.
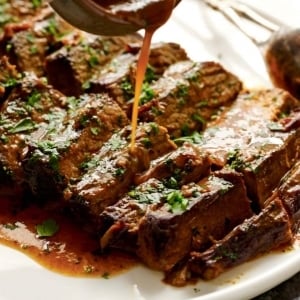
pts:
pixel 199 119
pixel 119 172
pixel 23 126
pixel 10 226
pixel 195 138
pixel 47 228
pixel 235 160
pixel 36 3
pixel 150 74
pixel 177 202
pixel 34 98
pixel 146 142
pixel 95 130
pixel 147 93
pixel 127 89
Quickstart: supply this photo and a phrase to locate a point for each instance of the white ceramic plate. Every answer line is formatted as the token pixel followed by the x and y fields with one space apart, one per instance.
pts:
pixel 207 36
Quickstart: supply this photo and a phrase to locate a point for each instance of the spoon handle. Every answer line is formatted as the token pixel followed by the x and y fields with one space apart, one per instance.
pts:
pixel 236 12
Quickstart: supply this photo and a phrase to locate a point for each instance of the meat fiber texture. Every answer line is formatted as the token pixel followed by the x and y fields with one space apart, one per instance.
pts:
pixel 214 170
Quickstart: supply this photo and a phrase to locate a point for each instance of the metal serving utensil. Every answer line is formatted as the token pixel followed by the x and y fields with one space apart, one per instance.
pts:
pixel 280 49
pixel 114 18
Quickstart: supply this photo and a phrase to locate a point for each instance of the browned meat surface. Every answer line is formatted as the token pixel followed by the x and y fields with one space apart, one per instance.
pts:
pixel 289 193
pixel 118 77
pixel 213 207
pixel 60 156
pixel 188 95
pixel 246 139
pixel 257 235
pixel 70 68
pixel 30 109
pixel 187 163
pixel 27 45
pixel 120 222
pixel 111 171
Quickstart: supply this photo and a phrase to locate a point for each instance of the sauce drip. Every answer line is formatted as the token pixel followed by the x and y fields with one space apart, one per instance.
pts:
pixel 165 12
pixel 140 75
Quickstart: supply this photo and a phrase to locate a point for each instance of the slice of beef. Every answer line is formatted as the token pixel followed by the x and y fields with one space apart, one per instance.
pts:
pixel 18 11
pixel 110 173
pixel 119 223
pixel 27 45
pixel 118 77
pixel 257 235
pixel 70 68
pixel 192 218
pixel 58 158
pixel 188 95
pixel 244 139
pixel 30 110
pixel 183 165
pixel 289 193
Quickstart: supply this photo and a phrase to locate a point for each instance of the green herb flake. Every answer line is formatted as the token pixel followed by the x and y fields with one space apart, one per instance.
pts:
pixel 10 226
pixel 47 228
pixel 146 142
pixel 195 138
pixel 177 202
pixel 127 89
pixel 235 160
pixel 36 3
pixel 34 98
pixel 147 93
pixel 93 61
pixel 120 172
pixel 52 28
pixel 3 138
pixel 95 130
pixel 23 126
pixel 150 74
pixel 199 119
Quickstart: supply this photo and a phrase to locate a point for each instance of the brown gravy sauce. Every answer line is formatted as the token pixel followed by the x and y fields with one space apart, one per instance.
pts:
pixel 71 251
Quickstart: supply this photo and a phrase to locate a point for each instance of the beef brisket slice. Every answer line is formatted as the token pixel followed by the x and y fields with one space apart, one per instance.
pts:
pixel 256 235
pixel 169 232
pixel 110 172
pixel 59 157
pixel 70 68
pixel 244 138
pixel 119 223
pixel 18 11
pixel 30 110
pixel 28 45
pixel 187 97
pixel 118 76
pixel 289 193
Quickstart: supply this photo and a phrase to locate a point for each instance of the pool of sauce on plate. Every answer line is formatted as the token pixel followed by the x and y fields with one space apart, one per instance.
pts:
pixel 70 251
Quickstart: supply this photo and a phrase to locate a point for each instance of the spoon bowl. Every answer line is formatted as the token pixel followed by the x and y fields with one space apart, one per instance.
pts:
pixel 90 17
pixel 113 17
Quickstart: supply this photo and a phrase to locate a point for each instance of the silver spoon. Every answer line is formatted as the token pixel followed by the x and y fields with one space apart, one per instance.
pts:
pixel 114 17
pixel 280 50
